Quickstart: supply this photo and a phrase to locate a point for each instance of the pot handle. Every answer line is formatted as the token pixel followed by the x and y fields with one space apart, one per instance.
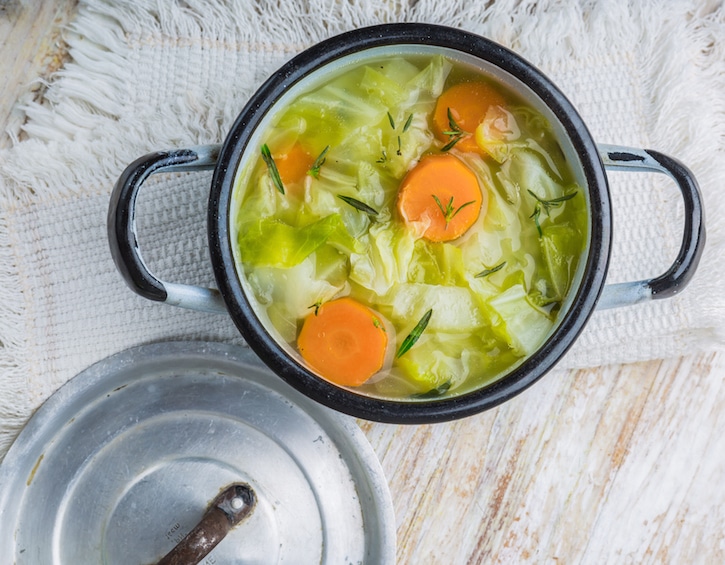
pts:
pixel 679 274
pixel 122 228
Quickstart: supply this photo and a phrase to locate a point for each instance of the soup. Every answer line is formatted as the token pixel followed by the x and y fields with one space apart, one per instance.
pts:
pixel 410 228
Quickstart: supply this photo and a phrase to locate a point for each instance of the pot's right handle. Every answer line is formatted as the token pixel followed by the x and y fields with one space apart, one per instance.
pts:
pixel 122 229
pixel 679 274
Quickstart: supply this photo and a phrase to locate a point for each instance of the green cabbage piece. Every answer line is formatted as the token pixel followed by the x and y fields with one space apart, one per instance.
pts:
pixel 422 91
pixel 292 293
pixel 263 199
pixel 400 157
pixel 455 308
pixel 392 73
pixel 444 361
pixel 521 324
pixel 384 87
pixel 524 170
pixel 350 114
pixel 385 262
pixel 362 182
pixel 354 117
pixel 430 81
pixel 437 263
pixel 499 135
pixel 337 102
pixel 268 242
pixel 322 199
pixel 556 244
pixel 332 265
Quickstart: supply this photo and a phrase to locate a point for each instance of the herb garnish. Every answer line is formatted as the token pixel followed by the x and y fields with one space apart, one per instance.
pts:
pixel 455 134
pixel 449 212
pixel 406 126
pixel 547 205
pixel 315 168
pixel 490 271
pixel 272 167
pixel 434 392
pixel 413 336
pixel 391 120
pixel 316 306
pixel 357 204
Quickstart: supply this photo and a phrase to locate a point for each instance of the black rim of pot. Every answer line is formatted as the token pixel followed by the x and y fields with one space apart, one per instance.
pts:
pixel 345 400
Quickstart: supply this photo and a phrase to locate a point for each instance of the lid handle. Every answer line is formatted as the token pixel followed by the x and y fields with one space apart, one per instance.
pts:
pixel 227 510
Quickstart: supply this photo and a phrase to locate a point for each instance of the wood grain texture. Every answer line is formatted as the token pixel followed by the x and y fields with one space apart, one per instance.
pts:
pixel 614 465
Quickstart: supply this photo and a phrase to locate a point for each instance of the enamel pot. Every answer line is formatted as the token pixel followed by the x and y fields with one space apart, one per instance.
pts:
pixel 589 161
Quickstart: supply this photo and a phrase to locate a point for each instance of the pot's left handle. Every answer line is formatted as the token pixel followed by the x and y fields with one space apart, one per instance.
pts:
pixel 122 229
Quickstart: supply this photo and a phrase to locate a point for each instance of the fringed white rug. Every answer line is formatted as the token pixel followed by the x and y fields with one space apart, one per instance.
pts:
pixel 148 75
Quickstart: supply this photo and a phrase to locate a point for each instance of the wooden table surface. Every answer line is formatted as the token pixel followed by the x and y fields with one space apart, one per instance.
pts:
pixel 611 465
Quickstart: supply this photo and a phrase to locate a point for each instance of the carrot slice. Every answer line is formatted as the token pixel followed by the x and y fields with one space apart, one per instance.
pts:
pixel 344 341
pixel 441 197
pixel 468 103
pixel 294 164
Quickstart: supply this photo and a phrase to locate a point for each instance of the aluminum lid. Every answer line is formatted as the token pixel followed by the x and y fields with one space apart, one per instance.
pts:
pixel 122 461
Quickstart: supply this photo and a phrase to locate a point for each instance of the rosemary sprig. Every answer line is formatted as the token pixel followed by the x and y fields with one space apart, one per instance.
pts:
pixel 315 168
pixel 391 120
pixel 535 215
pixel 490 271
pixel 434 392
pixel 406 126
pixel 546 206
pixel 413 336
pixel 316 306
pixel 358 205
pixel 455 133
pixel 272 167
pixel 449 211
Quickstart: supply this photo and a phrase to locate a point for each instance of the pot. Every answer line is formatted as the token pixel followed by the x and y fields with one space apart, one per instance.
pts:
pixel 589 160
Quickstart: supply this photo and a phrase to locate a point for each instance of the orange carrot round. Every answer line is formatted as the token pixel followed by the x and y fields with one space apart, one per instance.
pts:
pixel 468 103
pixel 344 341
pixel 441 195
pixel 294 164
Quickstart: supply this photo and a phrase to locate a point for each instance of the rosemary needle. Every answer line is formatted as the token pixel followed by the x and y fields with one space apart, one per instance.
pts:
pixel 315 168
pixel 491 271
pixel 358 205
pixel 272 167
pixel 413 336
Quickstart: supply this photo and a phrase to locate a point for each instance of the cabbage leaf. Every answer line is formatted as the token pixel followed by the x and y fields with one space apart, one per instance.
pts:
pixel 385 262
pixel 269 242
pixel 291 293
pixel 521 324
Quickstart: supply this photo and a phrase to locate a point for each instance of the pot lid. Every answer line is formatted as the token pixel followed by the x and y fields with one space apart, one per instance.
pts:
pixel 123 461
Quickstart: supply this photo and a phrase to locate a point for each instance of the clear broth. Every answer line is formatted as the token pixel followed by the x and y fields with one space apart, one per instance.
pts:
pixel 497 292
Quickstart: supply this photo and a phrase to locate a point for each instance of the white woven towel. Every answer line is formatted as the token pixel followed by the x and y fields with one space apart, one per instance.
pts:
pixel 148 75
